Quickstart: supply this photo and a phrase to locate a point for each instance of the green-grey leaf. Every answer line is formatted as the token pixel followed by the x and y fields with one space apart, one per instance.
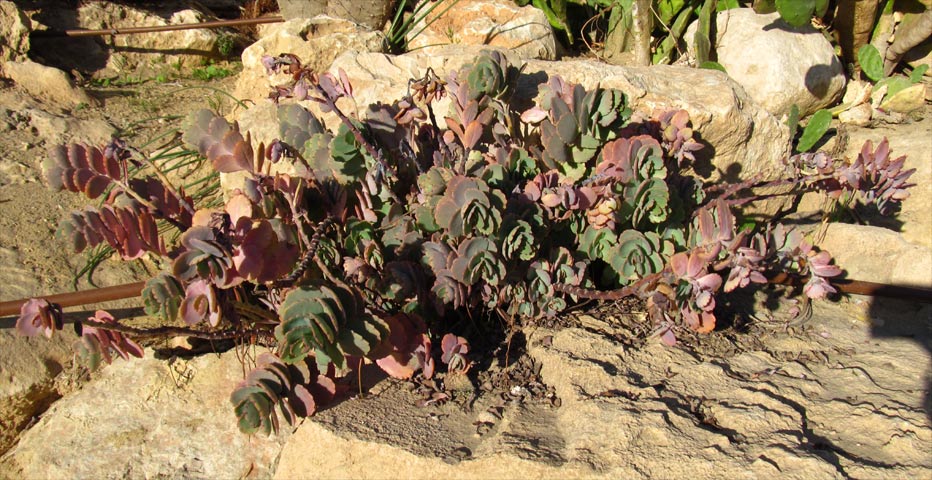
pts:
pixel 814 131
pixel 916 75
pixel 871 62
pixel 796 12
pixel 792 120
pixel 710 65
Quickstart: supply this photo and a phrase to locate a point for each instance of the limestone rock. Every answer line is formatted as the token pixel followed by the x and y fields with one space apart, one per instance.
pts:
pixel 877 254
pixel 652 411
pixel 46 84
pixel 138 55
pixel 371 14
pixel 744 138
pixel 920 55
pixel 147 418
pixel 494 23
pixel 59 129
pixel 859 115
pixel 28 367
pixel 315 41
pixel 296 9
pixel 14 33
pixel 777 65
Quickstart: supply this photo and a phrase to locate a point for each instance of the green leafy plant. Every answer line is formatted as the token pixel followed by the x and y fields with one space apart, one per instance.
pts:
pixel 817 127
pixel 872 66
pixel 404 26
pixel 390 227
pixel 211 72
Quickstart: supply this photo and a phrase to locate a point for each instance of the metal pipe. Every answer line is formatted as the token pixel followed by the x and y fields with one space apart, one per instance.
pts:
pixel 858 287
pixel 163 28
pixel 83 297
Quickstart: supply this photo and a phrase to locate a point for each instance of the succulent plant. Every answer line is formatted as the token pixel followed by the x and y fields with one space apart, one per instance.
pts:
pixel 697 287
pixel 637 164
pixel 468 207
pixel 98 343
pixel 221 143
pixel 162 297
pixel 297 390
pixel 39 316
pixel 519 242
pixel 388 230
pixel 406 337
pixel 490 75
pixel 677 136
pixel 578 123
pixel 330 323
pixel 80 168
pixel 200 304
pixel 206 257
pixel 454 352
pixel 638 254
pixel 262 256
pixel 167 203
pixel 130 231
pixel 477 260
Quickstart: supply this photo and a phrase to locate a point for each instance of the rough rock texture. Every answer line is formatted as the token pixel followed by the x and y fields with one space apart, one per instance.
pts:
pixel 186 48
pixel 495 23
pixel 777 65
pixel 371 14
pixel 28 367
pixel 57 129
pixel 46 84
pixel 315 41
pixel 138 55
pixel 837 401
pixel 14 33
pixel 877 254
pixel 920 55
pixel 146 419
pixel 744 138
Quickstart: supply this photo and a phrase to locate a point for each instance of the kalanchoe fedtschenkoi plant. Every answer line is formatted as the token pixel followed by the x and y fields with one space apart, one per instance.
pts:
pixel 392 225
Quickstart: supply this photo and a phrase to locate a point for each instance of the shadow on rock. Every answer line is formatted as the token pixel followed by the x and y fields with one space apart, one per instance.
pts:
pixel 891 318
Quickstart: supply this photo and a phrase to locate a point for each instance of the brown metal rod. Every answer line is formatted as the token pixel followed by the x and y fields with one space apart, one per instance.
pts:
pixel 163 28
pixel 860 287
pixel 130 290
pixel 83 297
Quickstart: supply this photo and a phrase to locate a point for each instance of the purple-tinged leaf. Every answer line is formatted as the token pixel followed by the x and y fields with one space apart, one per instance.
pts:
pixel 39 316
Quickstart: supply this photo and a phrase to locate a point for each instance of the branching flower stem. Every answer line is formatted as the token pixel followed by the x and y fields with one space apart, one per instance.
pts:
pixel 375 153
pixel 171 331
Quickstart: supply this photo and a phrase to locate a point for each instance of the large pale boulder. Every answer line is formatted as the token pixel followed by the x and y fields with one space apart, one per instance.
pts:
pixel 138 55
pixel 14 33
pixel 777 65
pixel 28 367
pixel 650 411
pixel 316 41
pixel 495 23
pixel 877 254
pixel 742 138
pixel 147 418
pixel 46 84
